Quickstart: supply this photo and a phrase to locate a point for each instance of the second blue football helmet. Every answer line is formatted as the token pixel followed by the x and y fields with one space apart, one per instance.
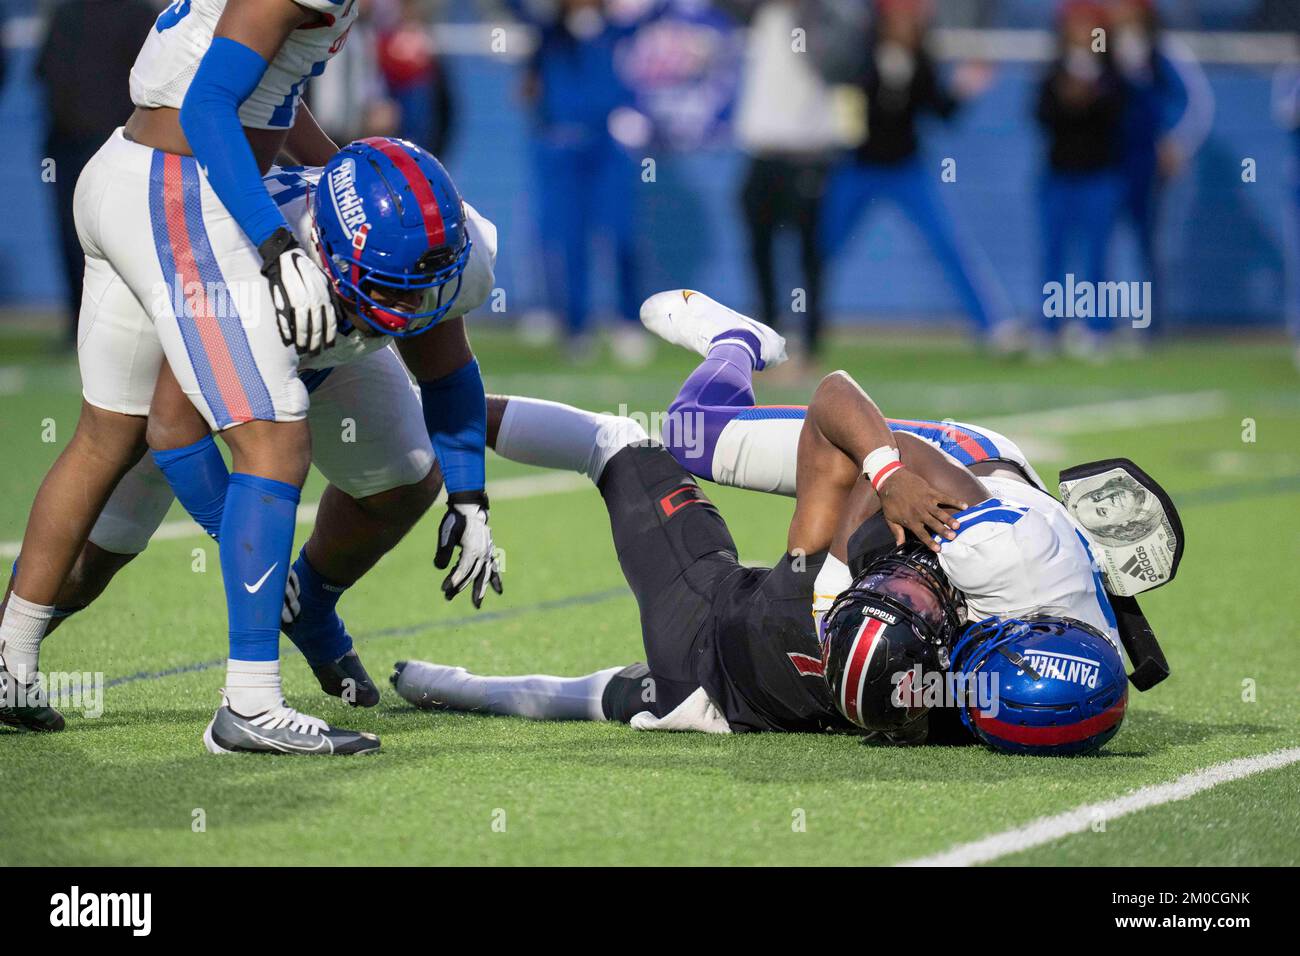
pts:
pixel 391 230
pixel 1061 687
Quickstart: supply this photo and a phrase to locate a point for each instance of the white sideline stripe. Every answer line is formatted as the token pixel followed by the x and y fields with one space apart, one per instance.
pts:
pixel 507 489
pixel 1104 416
pixel 1049 829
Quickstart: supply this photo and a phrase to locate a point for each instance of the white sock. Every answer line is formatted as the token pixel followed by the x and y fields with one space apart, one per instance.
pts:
pixel 536 696
pixel 253 686
pixel 553 435
pixel 21 633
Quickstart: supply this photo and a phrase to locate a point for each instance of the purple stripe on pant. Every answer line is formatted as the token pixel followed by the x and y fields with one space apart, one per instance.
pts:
pixel 719 389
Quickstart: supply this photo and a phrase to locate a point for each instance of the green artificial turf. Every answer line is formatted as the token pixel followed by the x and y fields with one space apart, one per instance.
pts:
pixel 127 787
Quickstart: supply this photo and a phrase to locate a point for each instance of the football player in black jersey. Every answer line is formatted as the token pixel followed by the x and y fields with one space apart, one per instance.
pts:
pixel 729 648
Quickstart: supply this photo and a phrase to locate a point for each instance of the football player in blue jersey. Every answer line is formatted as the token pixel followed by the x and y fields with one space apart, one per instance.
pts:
pixel 172 213
pixel 189 259
pixel 361 219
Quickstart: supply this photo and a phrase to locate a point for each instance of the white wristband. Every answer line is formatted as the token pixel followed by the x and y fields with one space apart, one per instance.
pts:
pixel 880 464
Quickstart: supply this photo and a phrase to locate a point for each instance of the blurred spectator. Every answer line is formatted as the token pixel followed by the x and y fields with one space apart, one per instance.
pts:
pixel 1279 15
pixel 1081 108
pixel 900 83
pixel 1286 110
pixel 349 99
pixel 784 123
pixel 85 64
pixel 1168 112
pixel 417 79
pixel 585 176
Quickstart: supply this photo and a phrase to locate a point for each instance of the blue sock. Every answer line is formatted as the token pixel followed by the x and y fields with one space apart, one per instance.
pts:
pixel 318 632
pixel 198 477
pixel 256 545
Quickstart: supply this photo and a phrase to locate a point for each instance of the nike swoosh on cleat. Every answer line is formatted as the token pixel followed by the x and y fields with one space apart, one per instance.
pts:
pixel 686 295
pixel 288 746
pixel 254 588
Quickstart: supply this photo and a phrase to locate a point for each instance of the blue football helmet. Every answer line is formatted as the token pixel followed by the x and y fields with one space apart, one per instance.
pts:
pixel 1061 687
pixel 391 231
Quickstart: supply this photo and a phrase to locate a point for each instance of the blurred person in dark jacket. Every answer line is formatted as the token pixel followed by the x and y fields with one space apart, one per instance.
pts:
pixel 584 120
pixel 1080 108
pixel 1169 108
pixel 85 65
pixel 785 124
pixel 901 83
pixel 1286 110
pixel 1081 105
pixel 417 79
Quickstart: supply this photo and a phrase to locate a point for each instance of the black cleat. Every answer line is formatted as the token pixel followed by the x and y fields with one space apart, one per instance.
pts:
pixel 282 730
pixel 346 678
pixel 25 706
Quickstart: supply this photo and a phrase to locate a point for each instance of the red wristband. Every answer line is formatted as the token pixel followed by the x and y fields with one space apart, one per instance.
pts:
pixel 879 477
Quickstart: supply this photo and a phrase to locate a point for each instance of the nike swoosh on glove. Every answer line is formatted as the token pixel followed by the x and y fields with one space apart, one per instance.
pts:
pixel 466 524
pixel 306 307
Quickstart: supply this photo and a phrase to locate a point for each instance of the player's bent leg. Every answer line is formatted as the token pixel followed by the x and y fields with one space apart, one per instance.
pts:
pixel 714 427
pixel 675 550
pixel 133 513
pixel 370 441
pixel 350 536
pixel 105 445
pixel 715 430
pixel 182 447
pixel 118 355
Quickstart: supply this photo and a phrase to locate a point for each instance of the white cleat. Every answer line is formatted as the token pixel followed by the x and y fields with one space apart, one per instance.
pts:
pixel 696 322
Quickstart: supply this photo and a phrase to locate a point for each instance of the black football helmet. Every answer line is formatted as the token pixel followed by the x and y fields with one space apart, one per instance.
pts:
pixel 900 613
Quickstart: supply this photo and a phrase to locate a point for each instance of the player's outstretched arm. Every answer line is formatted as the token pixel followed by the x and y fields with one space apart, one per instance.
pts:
pixel 455 413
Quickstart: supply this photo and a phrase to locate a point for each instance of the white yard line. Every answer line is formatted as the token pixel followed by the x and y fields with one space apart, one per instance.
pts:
pixel 507 489
pixel 1038 433
pixel 1105 416
pixel 1048 829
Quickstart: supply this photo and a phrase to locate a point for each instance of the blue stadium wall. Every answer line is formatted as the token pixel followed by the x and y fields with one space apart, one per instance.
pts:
pixel 1223 239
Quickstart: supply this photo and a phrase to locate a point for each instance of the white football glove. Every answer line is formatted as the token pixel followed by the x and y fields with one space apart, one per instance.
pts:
pixel 466 524
pixel 306 308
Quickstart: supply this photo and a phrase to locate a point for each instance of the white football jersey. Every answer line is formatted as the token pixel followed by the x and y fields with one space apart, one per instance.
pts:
pixel 1020 553
pixel 183 32
pixel 292 188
